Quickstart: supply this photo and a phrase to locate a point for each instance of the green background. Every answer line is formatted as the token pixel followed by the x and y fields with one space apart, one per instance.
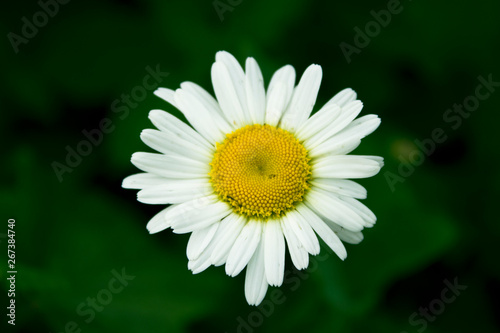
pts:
pixel 439 224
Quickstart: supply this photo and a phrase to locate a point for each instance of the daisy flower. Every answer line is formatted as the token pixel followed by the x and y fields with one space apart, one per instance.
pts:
pixel 256 171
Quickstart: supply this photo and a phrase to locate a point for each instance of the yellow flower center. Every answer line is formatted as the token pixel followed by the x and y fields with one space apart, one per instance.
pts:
pixel 261 170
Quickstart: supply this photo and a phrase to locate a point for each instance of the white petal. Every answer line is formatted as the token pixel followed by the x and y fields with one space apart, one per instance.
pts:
pixel 299 255
pixel 229 229
pixel 279 94
pixel 274 252
pixel 208 105
pixel 143 180
pixel 158 222
pixel 237 76
pixel 228 80
pixel 276 103
pixel 303 99
pixel 331 207
pixel 303 231
pixel 203 96
pixel 210 126
pixel 197 214
pixel 350 237
pixel 170 166
pixel 343 98
pixel 166 94
pixel 349 138
pixel 231 63
pixel 199 240
pixel 363 211
pixel 256 94
pixel 255 278
pixel 341 187
pixel 169 143
pixel 361 127
pixel 346 166
pixel 347 115
pixel 175 191
pixel 323 231
pixel 335 147
pixel 201 263
pixel 166 122
pixel 244 247
pixel 378 159
pixel 318 121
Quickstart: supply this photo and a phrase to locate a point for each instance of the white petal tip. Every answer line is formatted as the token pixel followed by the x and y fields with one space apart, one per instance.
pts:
pixel 342 256
pixel 161 92
pixel 154 113
pixel 317 70
pixel 355 103
pixel 219 56
pixel 156 230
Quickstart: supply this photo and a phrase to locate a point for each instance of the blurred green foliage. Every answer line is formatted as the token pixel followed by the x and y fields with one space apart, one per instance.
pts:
pixel 439 224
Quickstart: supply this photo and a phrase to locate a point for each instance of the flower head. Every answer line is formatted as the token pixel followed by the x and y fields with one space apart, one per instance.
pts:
pixel 255 169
